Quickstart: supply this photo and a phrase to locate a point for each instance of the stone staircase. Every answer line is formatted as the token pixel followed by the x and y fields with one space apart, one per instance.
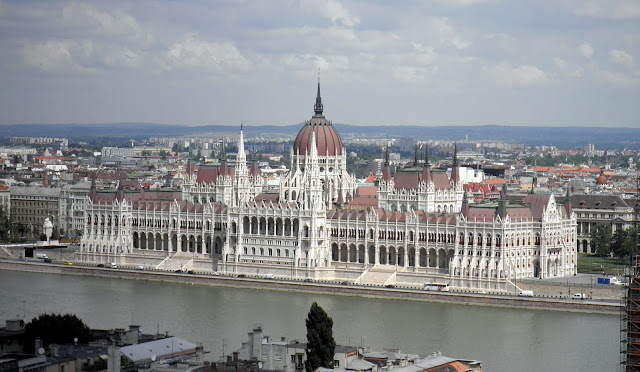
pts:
pixel 378 275
pixel 179 261
pixel 4 253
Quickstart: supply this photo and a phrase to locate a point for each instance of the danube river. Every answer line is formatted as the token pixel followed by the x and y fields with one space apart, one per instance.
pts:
pixel 503 339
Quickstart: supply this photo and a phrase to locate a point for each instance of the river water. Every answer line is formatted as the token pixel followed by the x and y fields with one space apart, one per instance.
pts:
pixel 503 339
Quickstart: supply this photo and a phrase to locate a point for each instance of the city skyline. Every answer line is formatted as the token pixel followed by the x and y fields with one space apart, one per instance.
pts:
pixel 432 63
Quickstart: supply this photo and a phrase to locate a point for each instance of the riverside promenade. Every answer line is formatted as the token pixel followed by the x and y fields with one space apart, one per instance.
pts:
pixel 611 306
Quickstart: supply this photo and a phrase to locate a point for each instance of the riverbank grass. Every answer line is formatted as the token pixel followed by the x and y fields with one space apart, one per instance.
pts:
pixel 589 264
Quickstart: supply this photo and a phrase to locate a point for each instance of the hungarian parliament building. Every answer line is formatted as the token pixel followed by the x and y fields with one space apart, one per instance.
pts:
pixel 413 227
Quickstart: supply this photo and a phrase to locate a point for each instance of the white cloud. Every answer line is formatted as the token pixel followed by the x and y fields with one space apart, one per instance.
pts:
pixel 333 10
pixel 306 62
pixel 442 32
pixel 622 79
pixel 78 56
pixel 568 68
pixel 116 23
pixel 193 53
pixel 461 3
pixel 525 75
pixel 413 74
pixel 621 57
pixel 51 55
pixel 608 9
pixel 586 50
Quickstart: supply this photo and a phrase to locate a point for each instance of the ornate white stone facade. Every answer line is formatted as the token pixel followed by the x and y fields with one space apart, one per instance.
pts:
pixel 421 228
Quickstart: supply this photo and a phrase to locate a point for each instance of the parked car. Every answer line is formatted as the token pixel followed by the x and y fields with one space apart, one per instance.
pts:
pixel 178 271
pixel 215 273
pixel 139 267
pixel 68 263
pixel 48 260
pixel 579 296
pixel 308 280
pixel 100 265
pixel 390 286
pixel 190 272
pixel 241 276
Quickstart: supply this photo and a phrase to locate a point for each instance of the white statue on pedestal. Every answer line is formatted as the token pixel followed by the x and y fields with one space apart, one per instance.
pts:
pixel 47 227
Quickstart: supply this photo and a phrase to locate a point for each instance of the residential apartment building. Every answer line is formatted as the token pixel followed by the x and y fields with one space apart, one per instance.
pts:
pixel 31 205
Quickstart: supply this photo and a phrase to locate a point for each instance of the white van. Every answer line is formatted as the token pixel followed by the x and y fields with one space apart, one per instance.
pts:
pixel 42 256
pixel 268 276
pixel 526 293
pixel 579 296
pixel 113 265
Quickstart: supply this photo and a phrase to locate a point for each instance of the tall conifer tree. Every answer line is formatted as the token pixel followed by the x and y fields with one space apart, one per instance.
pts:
pixel 320 343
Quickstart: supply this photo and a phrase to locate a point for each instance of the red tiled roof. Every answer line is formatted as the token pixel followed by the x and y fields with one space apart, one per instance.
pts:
pixel 267 198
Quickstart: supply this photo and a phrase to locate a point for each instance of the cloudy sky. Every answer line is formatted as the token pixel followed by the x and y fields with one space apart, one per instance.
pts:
pixel 421 62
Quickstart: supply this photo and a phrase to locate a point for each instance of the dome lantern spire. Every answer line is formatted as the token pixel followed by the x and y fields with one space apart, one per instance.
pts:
pixel 318 106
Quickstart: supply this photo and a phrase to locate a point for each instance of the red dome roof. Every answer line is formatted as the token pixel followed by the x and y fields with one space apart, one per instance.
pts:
pixel 602 180
pixel 327 138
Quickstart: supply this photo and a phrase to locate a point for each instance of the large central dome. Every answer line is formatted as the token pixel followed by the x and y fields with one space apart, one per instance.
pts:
pixel 327 138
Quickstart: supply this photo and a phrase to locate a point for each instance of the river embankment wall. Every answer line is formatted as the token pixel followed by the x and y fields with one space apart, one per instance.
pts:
pixel 323 288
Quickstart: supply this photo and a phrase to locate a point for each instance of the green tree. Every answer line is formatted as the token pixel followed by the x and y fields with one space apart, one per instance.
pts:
pixel 601 237
pixel 5 224
pixel 55 329
pixel 320 343
pixel 624 243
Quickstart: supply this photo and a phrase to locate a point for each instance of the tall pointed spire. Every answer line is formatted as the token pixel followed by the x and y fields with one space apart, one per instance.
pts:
pixel 502 206
pixel 314 147
pixel 567 203
pixel 92 190
pixel 455 172
pixel 242 157
pixel 318 106
pixel 534 182
pixel 426 167
pixel 426 154
pixel 465 205
pixel 386 170
pixel 455 154
pixel 120 190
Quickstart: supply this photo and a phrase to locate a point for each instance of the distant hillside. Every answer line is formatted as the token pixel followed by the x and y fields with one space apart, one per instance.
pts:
pixel 556 136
